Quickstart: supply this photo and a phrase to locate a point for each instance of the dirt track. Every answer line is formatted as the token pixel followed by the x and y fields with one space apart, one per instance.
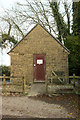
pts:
pixel 62 106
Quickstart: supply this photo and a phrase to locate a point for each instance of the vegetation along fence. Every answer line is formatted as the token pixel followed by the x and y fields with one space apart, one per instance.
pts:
pixel 14 87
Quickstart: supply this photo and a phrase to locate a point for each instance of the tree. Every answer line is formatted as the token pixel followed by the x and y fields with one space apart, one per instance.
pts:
pixel 76 18
pixel 5 70
pixel 46 13
pixel 7 37
pixel 73 44
pixel 73 41
pixel 62 27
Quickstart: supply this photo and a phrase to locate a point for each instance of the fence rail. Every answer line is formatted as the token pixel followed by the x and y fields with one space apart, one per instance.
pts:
pixel 13 87
pixel 52 78
pixel 73 81
pixel 76 77
pixel 21 85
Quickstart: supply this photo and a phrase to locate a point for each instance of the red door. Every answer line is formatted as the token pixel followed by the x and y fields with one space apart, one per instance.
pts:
pixel 39 67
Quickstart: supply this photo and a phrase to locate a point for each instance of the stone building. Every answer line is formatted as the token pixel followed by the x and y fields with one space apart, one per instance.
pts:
pixel 37 54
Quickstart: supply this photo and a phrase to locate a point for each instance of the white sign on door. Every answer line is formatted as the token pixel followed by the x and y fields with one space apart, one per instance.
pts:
pixel 39 61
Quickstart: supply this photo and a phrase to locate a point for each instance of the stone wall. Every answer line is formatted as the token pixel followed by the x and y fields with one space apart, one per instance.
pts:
pixel 38 41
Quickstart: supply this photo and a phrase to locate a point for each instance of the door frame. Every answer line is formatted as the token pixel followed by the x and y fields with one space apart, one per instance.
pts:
pixel 44 69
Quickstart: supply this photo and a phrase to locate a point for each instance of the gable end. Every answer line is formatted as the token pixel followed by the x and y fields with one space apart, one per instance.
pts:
pixel 46 31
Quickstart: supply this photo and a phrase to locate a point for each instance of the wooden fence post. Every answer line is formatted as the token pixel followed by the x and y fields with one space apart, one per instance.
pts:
pixel 46 84
pixel 4 83
pixel 74 80
pixel 24 80
pixel 4 80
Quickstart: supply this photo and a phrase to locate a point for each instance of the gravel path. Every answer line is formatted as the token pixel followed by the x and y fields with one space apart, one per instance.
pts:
pixel 32 107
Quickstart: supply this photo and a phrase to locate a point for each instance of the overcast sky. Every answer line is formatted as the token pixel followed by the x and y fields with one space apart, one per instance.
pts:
pixel 8 3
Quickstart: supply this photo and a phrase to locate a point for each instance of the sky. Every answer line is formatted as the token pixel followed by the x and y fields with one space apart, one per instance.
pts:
pixel 6 4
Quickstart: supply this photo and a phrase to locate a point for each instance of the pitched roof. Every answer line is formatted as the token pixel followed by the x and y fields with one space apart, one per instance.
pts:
pixel 45 30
